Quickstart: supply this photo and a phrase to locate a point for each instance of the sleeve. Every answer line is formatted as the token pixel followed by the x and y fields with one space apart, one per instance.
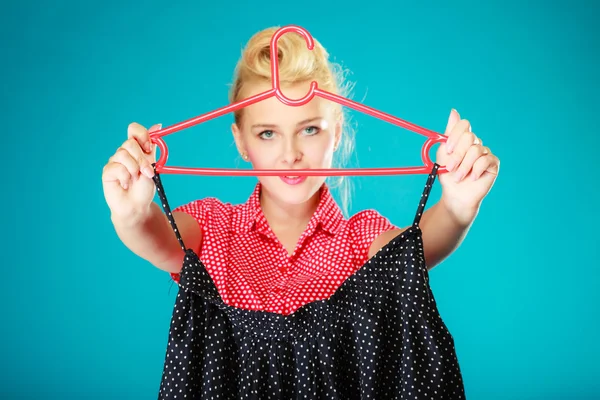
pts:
pixel 366 226
pixel 198 209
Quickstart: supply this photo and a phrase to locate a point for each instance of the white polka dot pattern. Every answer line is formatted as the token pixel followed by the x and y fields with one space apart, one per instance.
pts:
pixel 378 336
pixel 253 270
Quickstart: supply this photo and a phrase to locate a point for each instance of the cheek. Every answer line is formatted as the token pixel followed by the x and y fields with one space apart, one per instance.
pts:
pixel 322 151
pixel 260 156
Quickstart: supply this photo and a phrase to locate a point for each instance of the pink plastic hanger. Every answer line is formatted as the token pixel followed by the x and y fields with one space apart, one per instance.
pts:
pixel 433 137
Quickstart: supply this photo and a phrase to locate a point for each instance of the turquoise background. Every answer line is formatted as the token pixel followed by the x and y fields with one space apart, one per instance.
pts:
pixel 83 317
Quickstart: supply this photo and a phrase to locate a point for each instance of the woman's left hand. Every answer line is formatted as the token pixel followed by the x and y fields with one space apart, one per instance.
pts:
pixel 472 167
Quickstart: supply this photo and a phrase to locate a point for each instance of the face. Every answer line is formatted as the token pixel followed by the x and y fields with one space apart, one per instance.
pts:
pixel 277 136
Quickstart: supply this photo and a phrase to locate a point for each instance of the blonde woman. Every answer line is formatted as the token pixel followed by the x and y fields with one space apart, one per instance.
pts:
pixel 283 297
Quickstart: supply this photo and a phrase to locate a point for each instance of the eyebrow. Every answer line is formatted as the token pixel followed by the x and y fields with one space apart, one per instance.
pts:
pixel 271 126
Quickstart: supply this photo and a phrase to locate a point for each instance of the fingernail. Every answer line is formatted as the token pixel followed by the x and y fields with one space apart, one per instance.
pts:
pixel 450 165
pixel 125 185
pixel 458 176
pixel 449 147
pixel 148 147
pixel 148 172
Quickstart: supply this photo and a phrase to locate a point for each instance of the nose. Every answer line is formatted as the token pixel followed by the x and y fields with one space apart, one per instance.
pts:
pixel 291 152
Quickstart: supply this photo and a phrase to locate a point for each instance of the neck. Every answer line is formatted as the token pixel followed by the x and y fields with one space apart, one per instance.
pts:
pixel 283 216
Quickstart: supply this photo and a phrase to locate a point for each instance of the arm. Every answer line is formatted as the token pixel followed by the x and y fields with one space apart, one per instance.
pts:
pixel 442 234
pixel 151 237
pixel 472 171
pixel 139 222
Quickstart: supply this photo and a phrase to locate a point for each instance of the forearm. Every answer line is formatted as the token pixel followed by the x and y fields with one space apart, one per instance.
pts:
pixel 150 236
pixel 442 233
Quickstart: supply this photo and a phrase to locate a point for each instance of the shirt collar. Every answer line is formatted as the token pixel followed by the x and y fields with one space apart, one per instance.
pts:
pixel 249 216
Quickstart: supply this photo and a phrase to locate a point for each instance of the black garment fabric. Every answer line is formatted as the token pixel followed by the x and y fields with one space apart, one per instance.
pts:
pixel 379 336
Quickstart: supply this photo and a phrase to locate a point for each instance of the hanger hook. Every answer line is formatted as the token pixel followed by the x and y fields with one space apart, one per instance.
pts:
pixel 310 43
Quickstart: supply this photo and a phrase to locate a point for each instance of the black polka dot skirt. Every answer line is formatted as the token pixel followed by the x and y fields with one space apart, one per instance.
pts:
pixel 379 336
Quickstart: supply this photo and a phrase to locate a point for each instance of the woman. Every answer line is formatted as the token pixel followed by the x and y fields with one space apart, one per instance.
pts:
pixel 282 296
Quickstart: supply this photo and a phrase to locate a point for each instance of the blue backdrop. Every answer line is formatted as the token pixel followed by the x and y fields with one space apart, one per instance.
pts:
pixel 83 317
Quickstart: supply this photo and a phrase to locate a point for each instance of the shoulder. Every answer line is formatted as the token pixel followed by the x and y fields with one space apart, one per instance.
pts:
pixel 203 209
pixel 370 231
pixel 366 222
pixel 383 239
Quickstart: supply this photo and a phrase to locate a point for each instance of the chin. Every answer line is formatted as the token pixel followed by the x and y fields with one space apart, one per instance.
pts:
pixel 292 193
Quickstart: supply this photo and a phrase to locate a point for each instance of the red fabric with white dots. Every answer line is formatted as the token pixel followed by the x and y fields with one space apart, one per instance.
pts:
pixel 251 268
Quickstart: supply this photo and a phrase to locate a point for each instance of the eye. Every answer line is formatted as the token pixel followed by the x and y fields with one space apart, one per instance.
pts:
pixel 266 135
pixel 311 130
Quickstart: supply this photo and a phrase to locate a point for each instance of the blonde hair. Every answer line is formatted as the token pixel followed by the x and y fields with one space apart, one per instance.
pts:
pixel 298 64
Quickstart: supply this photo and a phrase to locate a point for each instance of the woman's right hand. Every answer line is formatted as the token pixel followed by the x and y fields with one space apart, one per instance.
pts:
pixel 127 177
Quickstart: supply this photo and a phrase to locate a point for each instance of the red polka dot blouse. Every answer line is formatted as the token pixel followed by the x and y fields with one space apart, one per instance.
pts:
pixel 251 268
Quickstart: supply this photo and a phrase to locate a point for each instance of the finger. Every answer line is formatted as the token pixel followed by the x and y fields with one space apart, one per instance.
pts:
pixel 480 166
pixel 141 135
pixel 116 172
pixel 488 163
pixel 473 154
pixel 153 146
pixel 461 127
pixel 154 128
pixel 132 146
pixel 453 119
pixel 462 144
pixel 123 156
